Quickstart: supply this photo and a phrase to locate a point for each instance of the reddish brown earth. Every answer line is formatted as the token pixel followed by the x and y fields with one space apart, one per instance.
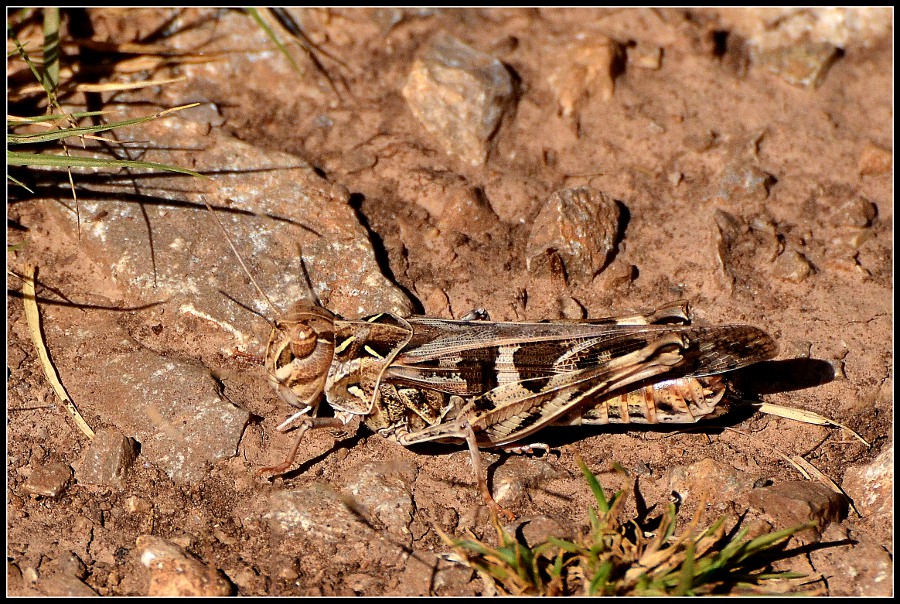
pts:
pixel 758 200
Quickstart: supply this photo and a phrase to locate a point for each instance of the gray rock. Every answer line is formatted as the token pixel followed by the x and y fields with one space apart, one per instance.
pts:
pixel 171 406
pixel 58 584
pixel 710 481
pixel 69 564
pixel 582 226
pixel 866 570
pixel 803 63
pixel 459 94
pixel 871 486
pixel 514 479
pixel 742 181
pixel 857 213
pixel 792 266
pixel 107 459
pixel 147 374
pixel 334 524
pixel 539 529
pixel 795 502
pixel 385 489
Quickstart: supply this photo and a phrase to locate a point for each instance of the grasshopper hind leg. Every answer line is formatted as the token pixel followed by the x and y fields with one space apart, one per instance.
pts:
pixel 481 476
pixel 462 430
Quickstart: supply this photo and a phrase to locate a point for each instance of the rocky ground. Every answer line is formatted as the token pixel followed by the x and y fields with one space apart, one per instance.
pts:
pixel 539 164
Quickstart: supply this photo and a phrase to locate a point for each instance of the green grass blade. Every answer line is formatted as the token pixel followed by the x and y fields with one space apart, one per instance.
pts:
pixel 473 546
pixel 16 247
pixel 510 555
pixel 566 546
pixel 612 558
pixel 21 50
pixel 253 12
pixel 51 49
pixel 596 489
pixel 600 580
pixel 559 564
pixel 19 158
pixel 768 541
pixel 14 121
pixel 18 182
pixel 686 576
pixel 52 135
pixel 785 574
pixel 731 549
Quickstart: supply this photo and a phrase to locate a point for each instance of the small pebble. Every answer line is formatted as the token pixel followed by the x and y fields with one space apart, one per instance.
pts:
pixel 803 63
pixel 137 505
pixel 875 160
pixel 645 57
pixel 581 226
pixel 174 572
pixel 570 308
pixel 107 459
pixel 742 181
pixel 792 266
pixel 587 71
pixel 49 480
pixel 459 94
pixel 858 212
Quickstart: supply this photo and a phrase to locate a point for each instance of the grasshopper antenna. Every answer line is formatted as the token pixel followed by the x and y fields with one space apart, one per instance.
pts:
pixel 306 277
pixel 241 260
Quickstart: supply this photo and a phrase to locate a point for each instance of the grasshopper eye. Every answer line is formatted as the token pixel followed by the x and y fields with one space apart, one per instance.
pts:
pixel 303 341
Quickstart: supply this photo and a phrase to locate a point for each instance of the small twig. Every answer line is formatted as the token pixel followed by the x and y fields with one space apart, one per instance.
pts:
pixel 802 415
pixel 34 327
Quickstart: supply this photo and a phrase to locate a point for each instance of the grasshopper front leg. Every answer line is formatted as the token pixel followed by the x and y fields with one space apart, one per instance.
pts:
pixel 304 423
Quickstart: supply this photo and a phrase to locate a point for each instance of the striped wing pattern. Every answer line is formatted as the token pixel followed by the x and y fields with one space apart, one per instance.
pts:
pixel 520 377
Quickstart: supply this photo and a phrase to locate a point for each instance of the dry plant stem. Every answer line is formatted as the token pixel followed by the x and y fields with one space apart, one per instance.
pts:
pixel 34 327
pixel 807 417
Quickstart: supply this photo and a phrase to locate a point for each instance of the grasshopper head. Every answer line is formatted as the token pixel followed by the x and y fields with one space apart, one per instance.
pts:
pixel 300 352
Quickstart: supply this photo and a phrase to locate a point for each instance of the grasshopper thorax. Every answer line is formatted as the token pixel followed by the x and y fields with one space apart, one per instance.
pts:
pixel 300 352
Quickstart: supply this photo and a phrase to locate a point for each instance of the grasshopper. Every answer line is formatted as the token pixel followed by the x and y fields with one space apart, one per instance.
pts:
pixel 495 384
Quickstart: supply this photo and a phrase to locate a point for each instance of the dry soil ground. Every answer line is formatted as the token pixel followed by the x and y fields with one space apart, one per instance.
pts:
pixel 759 200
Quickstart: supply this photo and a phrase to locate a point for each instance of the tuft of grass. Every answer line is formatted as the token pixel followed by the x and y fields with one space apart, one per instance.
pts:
pixel 615 556
pixel 300 38
pixel 39 135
